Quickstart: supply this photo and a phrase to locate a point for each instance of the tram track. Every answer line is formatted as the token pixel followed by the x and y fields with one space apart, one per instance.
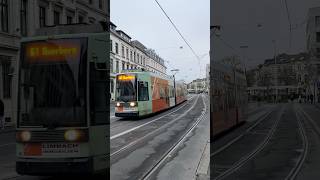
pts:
pixel 262 118
pixel 305 143
pixel 169 153
pixel 122 122
pixel 156 147
pixel 242 161
pixel 127 146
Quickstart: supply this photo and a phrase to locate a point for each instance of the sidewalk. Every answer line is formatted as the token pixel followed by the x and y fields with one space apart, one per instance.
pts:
pixel 7 129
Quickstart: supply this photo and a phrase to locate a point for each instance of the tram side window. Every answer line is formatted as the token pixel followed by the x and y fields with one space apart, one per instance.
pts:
pixel 162 92
pixel 99 88
pixel 143 91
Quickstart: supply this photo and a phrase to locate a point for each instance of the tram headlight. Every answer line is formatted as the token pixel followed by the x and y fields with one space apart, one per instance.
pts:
pixel 118 104
pixel 24 136
pixel 132 104
pixel 72 135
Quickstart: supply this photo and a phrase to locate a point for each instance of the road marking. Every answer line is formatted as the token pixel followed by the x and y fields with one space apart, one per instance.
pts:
pixel 174 147
pixel 137 127
pixel 8 144
pixel 152 132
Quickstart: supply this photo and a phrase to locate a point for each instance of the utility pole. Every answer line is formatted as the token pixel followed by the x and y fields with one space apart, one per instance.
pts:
pixel 174 84
pixel 276 69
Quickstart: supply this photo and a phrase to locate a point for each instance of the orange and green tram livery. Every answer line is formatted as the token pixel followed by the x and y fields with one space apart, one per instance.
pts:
pixel 141 93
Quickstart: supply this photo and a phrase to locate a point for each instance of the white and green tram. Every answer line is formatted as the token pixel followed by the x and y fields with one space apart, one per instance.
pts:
pixel 63 113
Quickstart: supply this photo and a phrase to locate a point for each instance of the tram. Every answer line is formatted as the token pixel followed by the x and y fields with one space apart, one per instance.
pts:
pixel 228 98
pixel 63 101
pixel 140 93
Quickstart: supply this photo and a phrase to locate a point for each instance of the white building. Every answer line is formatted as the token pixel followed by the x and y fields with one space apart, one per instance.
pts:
pixel 198 85
pixel 313 48
pixel 287 77
pixel 19 18
pixel 127 54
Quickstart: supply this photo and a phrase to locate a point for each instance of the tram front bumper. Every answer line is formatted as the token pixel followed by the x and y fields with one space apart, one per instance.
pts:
pixel 127 114
pixel 54 166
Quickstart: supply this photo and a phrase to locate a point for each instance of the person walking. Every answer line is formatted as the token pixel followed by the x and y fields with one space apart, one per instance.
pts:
pixel 1 114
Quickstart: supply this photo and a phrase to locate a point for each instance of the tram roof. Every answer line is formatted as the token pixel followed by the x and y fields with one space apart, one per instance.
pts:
pixel 64 31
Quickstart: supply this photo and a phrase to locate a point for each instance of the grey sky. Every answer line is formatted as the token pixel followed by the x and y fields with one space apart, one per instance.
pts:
pixel 239 20
pixel 144 21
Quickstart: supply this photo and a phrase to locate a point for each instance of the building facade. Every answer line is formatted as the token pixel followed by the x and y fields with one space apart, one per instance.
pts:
pixel 278 80
pixel 128 54
pixel 21 18
pixel 207 78
pixel 197 85
pixel 313 49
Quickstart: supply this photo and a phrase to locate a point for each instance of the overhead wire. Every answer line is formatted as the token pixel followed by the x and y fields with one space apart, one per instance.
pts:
pixel 290 24
pixel 176 28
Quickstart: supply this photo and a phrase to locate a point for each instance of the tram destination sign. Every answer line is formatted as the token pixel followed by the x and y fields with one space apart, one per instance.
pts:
pixel 51 51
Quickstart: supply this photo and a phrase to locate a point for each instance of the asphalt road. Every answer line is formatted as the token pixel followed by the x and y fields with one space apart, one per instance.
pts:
pixel 284 145
pixel 140 148
pixel 175 140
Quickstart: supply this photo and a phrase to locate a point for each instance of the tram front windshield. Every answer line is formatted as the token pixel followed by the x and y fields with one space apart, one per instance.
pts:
pixel 126 88
pixel 52 85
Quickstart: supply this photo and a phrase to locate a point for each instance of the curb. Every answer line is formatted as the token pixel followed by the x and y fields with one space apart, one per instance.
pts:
pixel 203 170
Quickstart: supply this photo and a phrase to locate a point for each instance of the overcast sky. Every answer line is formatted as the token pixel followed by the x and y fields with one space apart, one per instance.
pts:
pixel 144 21
pixel 239 20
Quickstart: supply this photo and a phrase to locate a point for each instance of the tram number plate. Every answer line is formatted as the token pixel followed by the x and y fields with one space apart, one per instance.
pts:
pixel 128 109
pixel 60 148
pixel 38 149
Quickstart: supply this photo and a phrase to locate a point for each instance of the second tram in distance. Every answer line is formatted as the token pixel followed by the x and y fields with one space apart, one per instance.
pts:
pixel 229 97
pixel 140 93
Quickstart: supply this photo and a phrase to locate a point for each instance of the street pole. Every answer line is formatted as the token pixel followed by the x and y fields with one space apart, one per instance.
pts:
pixel 174 87
pixel 276 71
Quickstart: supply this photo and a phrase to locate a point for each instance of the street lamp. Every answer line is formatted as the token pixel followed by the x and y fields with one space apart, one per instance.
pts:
pixel 174 83
pixel 244 59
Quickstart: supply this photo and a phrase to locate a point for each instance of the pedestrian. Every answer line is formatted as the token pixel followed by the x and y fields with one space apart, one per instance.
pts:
pixel 1 114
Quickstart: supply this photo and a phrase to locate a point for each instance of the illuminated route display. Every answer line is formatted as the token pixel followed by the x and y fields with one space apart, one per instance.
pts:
pixel 53 51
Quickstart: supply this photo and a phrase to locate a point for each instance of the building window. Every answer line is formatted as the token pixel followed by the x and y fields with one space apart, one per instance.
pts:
pixel 122 51
pixel 127 52
pixel 23 17
pixel 100 4
pixel 42 16
pixel 131 56
pixel 138 58
pixel 111 47
pixel 111 65
pixel 56 18
pixel 318 36
pixel 123 66
pixel 127 66
pixel 69 20
pixel 134 56
pixel 117 66
pixel 117 51
pixel 4 15
pixel 317 21
pixel 6 75
pixel 111 86
pixel 80 19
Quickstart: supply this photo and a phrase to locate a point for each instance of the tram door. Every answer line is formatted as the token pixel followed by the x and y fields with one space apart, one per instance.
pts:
pixel 144 98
